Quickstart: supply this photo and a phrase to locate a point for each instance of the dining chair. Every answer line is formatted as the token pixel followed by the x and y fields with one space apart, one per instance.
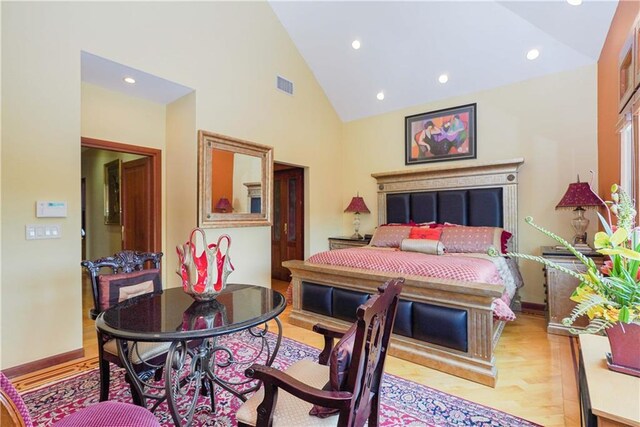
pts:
pixel 343 388
pixel 130 274
pixel 14 412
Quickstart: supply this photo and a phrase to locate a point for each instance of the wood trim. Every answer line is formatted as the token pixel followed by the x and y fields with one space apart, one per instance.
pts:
pixel 47 362
pixel 156 170
pixel 533 308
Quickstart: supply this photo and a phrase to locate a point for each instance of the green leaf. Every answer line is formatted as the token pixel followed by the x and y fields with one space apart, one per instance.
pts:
pixel 601 240
pixel 624 315
pixel 605 224
pixel 619 236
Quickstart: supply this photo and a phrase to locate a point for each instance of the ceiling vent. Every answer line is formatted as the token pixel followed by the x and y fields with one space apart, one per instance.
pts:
pixel 284 85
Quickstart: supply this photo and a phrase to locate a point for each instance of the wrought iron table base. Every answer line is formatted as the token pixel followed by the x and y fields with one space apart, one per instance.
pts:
pixel 190 371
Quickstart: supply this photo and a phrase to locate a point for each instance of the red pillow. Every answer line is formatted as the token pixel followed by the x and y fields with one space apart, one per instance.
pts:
pixel 425 233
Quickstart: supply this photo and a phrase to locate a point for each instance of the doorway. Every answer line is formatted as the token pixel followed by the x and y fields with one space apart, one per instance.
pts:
pixel 137 199
pixel 287 232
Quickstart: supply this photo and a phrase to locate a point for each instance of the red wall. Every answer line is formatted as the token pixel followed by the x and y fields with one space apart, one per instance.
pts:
pixel 608 143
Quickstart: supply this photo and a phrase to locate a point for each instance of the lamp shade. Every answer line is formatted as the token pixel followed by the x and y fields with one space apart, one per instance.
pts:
pixel 579 195
pixel 357 205
pixel 223 205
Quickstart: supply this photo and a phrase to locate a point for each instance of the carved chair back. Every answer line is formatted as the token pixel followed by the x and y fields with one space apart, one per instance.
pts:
pixel 375 320
pixel 121 262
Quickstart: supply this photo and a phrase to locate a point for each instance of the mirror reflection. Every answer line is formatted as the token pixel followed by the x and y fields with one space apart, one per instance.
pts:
pixel 234 182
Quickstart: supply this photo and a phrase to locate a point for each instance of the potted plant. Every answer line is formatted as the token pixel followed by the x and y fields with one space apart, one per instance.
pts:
pixel 610 295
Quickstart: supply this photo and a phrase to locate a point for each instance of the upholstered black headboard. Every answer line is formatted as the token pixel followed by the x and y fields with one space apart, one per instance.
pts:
pixel 475 207
pixel 475 194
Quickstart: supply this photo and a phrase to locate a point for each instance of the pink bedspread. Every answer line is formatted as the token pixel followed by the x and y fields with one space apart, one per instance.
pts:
pixel 461 268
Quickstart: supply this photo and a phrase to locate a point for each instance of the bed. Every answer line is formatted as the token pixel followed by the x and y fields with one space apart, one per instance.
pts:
pixel 442 323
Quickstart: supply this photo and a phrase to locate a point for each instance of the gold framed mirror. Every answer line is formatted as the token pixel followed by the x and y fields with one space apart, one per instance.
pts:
pixel 235 178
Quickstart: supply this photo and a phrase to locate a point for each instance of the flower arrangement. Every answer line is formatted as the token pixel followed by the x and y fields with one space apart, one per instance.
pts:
pixel 611 294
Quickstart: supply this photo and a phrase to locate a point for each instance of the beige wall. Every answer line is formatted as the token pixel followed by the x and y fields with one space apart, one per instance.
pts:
pixel 112 116
pixel 550 121
pixel 229 53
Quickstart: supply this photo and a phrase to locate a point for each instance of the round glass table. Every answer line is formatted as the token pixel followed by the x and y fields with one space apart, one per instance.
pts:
pixel 200 344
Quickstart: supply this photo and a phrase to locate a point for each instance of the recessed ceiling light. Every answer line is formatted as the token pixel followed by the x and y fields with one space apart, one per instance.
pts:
pixel 533 54
pixel 574 2
pixel 443 78
pixel 380 96
pixel 356 44
pixel 129 80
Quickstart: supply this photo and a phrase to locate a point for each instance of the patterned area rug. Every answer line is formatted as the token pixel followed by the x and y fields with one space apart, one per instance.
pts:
pixel 404 403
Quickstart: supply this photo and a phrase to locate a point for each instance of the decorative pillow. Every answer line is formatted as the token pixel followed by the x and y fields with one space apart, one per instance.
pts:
pixel 115 288
pixel 339 361
pixel 464 239
pixel 387 236
pixel 425 233
pixel 425 246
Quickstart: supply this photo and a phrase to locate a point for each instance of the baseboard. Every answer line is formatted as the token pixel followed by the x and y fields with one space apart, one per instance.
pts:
pixel 47 362
pixel 534 308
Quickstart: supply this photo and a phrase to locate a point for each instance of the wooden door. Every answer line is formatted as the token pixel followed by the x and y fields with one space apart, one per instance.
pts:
pixel 287 233
pixel 137 205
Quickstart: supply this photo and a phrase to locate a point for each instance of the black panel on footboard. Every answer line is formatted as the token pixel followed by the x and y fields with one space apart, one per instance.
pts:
pixel 474 207
pixel 444 326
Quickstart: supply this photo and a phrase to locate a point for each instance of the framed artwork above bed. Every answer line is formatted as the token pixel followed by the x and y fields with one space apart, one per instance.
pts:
pixel 436 136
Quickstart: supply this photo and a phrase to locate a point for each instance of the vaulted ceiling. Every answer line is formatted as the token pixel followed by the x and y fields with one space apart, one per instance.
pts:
pixel 406 46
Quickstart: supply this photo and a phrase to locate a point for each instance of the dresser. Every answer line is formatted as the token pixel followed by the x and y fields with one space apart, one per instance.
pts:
pixel 607 398
pixel 347 242
pixel 559 287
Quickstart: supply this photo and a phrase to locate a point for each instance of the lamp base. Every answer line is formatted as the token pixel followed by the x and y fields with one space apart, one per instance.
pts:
pixel 357 236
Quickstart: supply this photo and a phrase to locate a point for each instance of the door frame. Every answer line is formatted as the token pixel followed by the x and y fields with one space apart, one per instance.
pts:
pixel 156 174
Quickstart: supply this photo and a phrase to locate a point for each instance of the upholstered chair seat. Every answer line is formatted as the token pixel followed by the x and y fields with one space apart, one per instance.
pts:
pixel 290 410
pixel 142 352
pixel 14 412
pixel 340 389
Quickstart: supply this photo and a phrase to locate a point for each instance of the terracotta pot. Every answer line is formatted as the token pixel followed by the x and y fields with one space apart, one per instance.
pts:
pixel 624 339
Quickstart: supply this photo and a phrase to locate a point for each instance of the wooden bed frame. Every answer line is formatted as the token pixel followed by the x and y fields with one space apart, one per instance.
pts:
pixel 478 362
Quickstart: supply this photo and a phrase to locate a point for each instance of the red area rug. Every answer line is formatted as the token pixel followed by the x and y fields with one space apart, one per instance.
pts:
pixel 404 403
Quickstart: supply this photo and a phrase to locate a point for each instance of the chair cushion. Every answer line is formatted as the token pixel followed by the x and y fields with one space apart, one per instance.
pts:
pixel 11 403
pixel 144 350
pixel 339 361
pixel 291 411
pixel 110 413
pixel 115 288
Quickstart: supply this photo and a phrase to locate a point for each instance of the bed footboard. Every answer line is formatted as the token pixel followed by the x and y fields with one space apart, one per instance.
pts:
pixel 442 324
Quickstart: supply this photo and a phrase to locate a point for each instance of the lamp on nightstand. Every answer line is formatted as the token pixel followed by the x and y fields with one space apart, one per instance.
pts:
pixel 357 206
pixel 224 205
pixel 579 196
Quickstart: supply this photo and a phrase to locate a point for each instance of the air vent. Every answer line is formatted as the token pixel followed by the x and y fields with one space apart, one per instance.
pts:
pixel 284 85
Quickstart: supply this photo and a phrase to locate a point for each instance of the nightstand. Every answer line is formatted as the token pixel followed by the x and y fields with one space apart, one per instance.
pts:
pixel 347 242
pixel 559 287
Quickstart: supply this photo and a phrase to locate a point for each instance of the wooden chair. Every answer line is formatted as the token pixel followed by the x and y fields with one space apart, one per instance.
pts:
pixel 14 412
pixel 302 384
pixel 147 358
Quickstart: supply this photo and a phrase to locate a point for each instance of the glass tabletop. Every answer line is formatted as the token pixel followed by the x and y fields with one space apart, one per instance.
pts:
pixel 173 315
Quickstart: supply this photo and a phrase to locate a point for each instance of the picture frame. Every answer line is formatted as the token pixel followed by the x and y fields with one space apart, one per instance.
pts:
pixel 112 175
pixel 441 135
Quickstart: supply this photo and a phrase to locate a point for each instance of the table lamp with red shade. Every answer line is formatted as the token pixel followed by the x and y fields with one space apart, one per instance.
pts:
pixel 579 196
pixel 357 206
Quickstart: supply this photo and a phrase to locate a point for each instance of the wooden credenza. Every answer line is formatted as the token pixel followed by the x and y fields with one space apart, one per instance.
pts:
pixel 559 287
pixel 607 398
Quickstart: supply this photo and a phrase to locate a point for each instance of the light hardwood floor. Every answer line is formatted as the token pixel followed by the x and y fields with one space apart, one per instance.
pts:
pixel 537 379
